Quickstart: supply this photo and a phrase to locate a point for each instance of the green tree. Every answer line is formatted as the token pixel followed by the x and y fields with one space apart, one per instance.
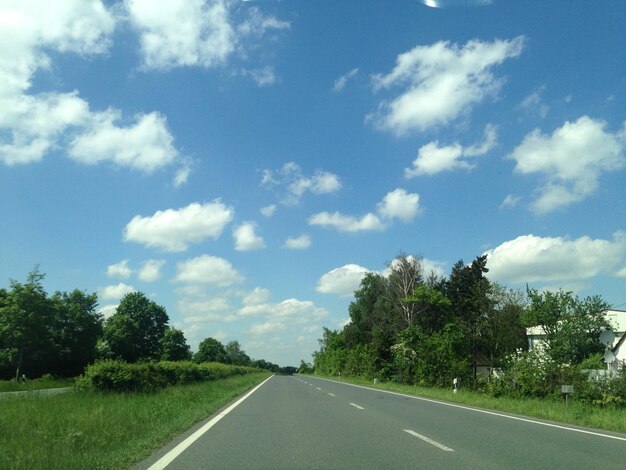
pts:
pixel 572 326
pixel 210 350
pixel 135 330
pixel 235 355
pixel 174 346
pixel 431 306
pixel 26 321
pixel 405 274
pixel 76 330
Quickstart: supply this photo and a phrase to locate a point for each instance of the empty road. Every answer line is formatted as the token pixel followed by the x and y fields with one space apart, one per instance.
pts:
pixel 304 422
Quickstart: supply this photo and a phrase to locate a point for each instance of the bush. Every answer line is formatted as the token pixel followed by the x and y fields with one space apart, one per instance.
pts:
pixel 119 376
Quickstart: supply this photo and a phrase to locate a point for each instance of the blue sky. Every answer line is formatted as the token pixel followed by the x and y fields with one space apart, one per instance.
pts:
pixel 244 163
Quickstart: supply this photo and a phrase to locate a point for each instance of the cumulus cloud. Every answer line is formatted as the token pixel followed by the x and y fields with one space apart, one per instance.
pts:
pixel 441 82
pixel 175 229
pixel 432 158
pixel 32 125
pixel 206 269
pixel 397 204
pixel 342 281
pixel 529 258
pixel 116 291
pixel 293 184
pixel 268 211
pixel 120 270
pixel 203 33
pixel 246 238
pixel 571 161
pixel 510 201
pixel 151 270
pixel 108 310
pixel 258 296
pixel 298 243
pixel 146 146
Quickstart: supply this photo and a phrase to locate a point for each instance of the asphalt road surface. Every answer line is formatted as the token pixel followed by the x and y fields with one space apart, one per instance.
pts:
pixel 304 422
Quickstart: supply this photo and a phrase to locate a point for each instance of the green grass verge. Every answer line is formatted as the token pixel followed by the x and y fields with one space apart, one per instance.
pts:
pixel 576 413
pixel 80 430
pixel 35 384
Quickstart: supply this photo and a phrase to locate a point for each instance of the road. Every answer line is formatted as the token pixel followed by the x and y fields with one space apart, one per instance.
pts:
pixel 304 422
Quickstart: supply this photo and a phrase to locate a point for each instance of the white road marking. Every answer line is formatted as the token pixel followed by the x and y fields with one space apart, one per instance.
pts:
pixel 180 448
pixel 357 406
pixel 430 441
pixel 331 394
pixel 493 413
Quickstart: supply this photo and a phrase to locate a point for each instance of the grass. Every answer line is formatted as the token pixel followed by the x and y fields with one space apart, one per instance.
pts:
pixel 92 430
pixel 35 384
pixel 576 413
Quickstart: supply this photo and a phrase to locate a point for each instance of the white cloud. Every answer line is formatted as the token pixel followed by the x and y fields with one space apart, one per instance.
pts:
pixel 442 81
pixel 265 76
pixel 120 270
pixel 347 223
pixel 298 243
pixel 295 184
pixel 342 281
pixel 146 146
pixel 108 310
pixel 182 175
pixel 530 258
pixel 151 270
pixel 571 160
pixel 433 266
pixel 246 239
pixel 342 81
pixel 258 296
pixel 268 211
pixel 202 33
pixel 399 204
pixel 510 201
pixel 175 229
pixel 621 272
pixel 432 159
pixel 207 269
pixel 533 103
pixel 116 291
pixel 183 32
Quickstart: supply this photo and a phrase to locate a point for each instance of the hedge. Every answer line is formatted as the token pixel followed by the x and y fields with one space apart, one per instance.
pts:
pixel 120 376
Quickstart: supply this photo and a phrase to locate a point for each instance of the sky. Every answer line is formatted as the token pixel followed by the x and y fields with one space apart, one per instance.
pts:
pixel 245 163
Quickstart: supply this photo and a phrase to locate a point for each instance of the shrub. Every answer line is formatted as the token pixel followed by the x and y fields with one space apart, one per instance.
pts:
pixel 119 376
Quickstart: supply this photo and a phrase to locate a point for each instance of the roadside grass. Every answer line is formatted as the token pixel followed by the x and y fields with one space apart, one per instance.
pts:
pixel 34 384
pixel 81 429
pixel 581 414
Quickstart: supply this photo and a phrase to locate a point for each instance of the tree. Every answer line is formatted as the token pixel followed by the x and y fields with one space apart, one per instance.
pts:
pixel 135 330
pixel 174 346
pixel 210 350
pixel 406 273
pixel 235 355
pixel 430 307
pixel 502 331
pixel 26 318
pixel 572 326
pixel 76 330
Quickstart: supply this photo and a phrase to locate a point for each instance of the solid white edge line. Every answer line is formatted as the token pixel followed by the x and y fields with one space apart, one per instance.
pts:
pixel 357 406
pixel 180 448
pixel 429 440
pixel 477 410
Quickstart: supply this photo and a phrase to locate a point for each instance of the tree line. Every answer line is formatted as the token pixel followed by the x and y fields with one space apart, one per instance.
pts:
pixel 63 333
pixel 420 328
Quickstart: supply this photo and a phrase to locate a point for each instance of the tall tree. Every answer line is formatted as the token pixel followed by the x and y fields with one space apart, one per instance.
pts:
pixel 26 319
pixel 235 355
pixel 210 350
pixel 76 330
pixel 405 274
pixel 135 330
pixel 431 305
pixel 174 346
